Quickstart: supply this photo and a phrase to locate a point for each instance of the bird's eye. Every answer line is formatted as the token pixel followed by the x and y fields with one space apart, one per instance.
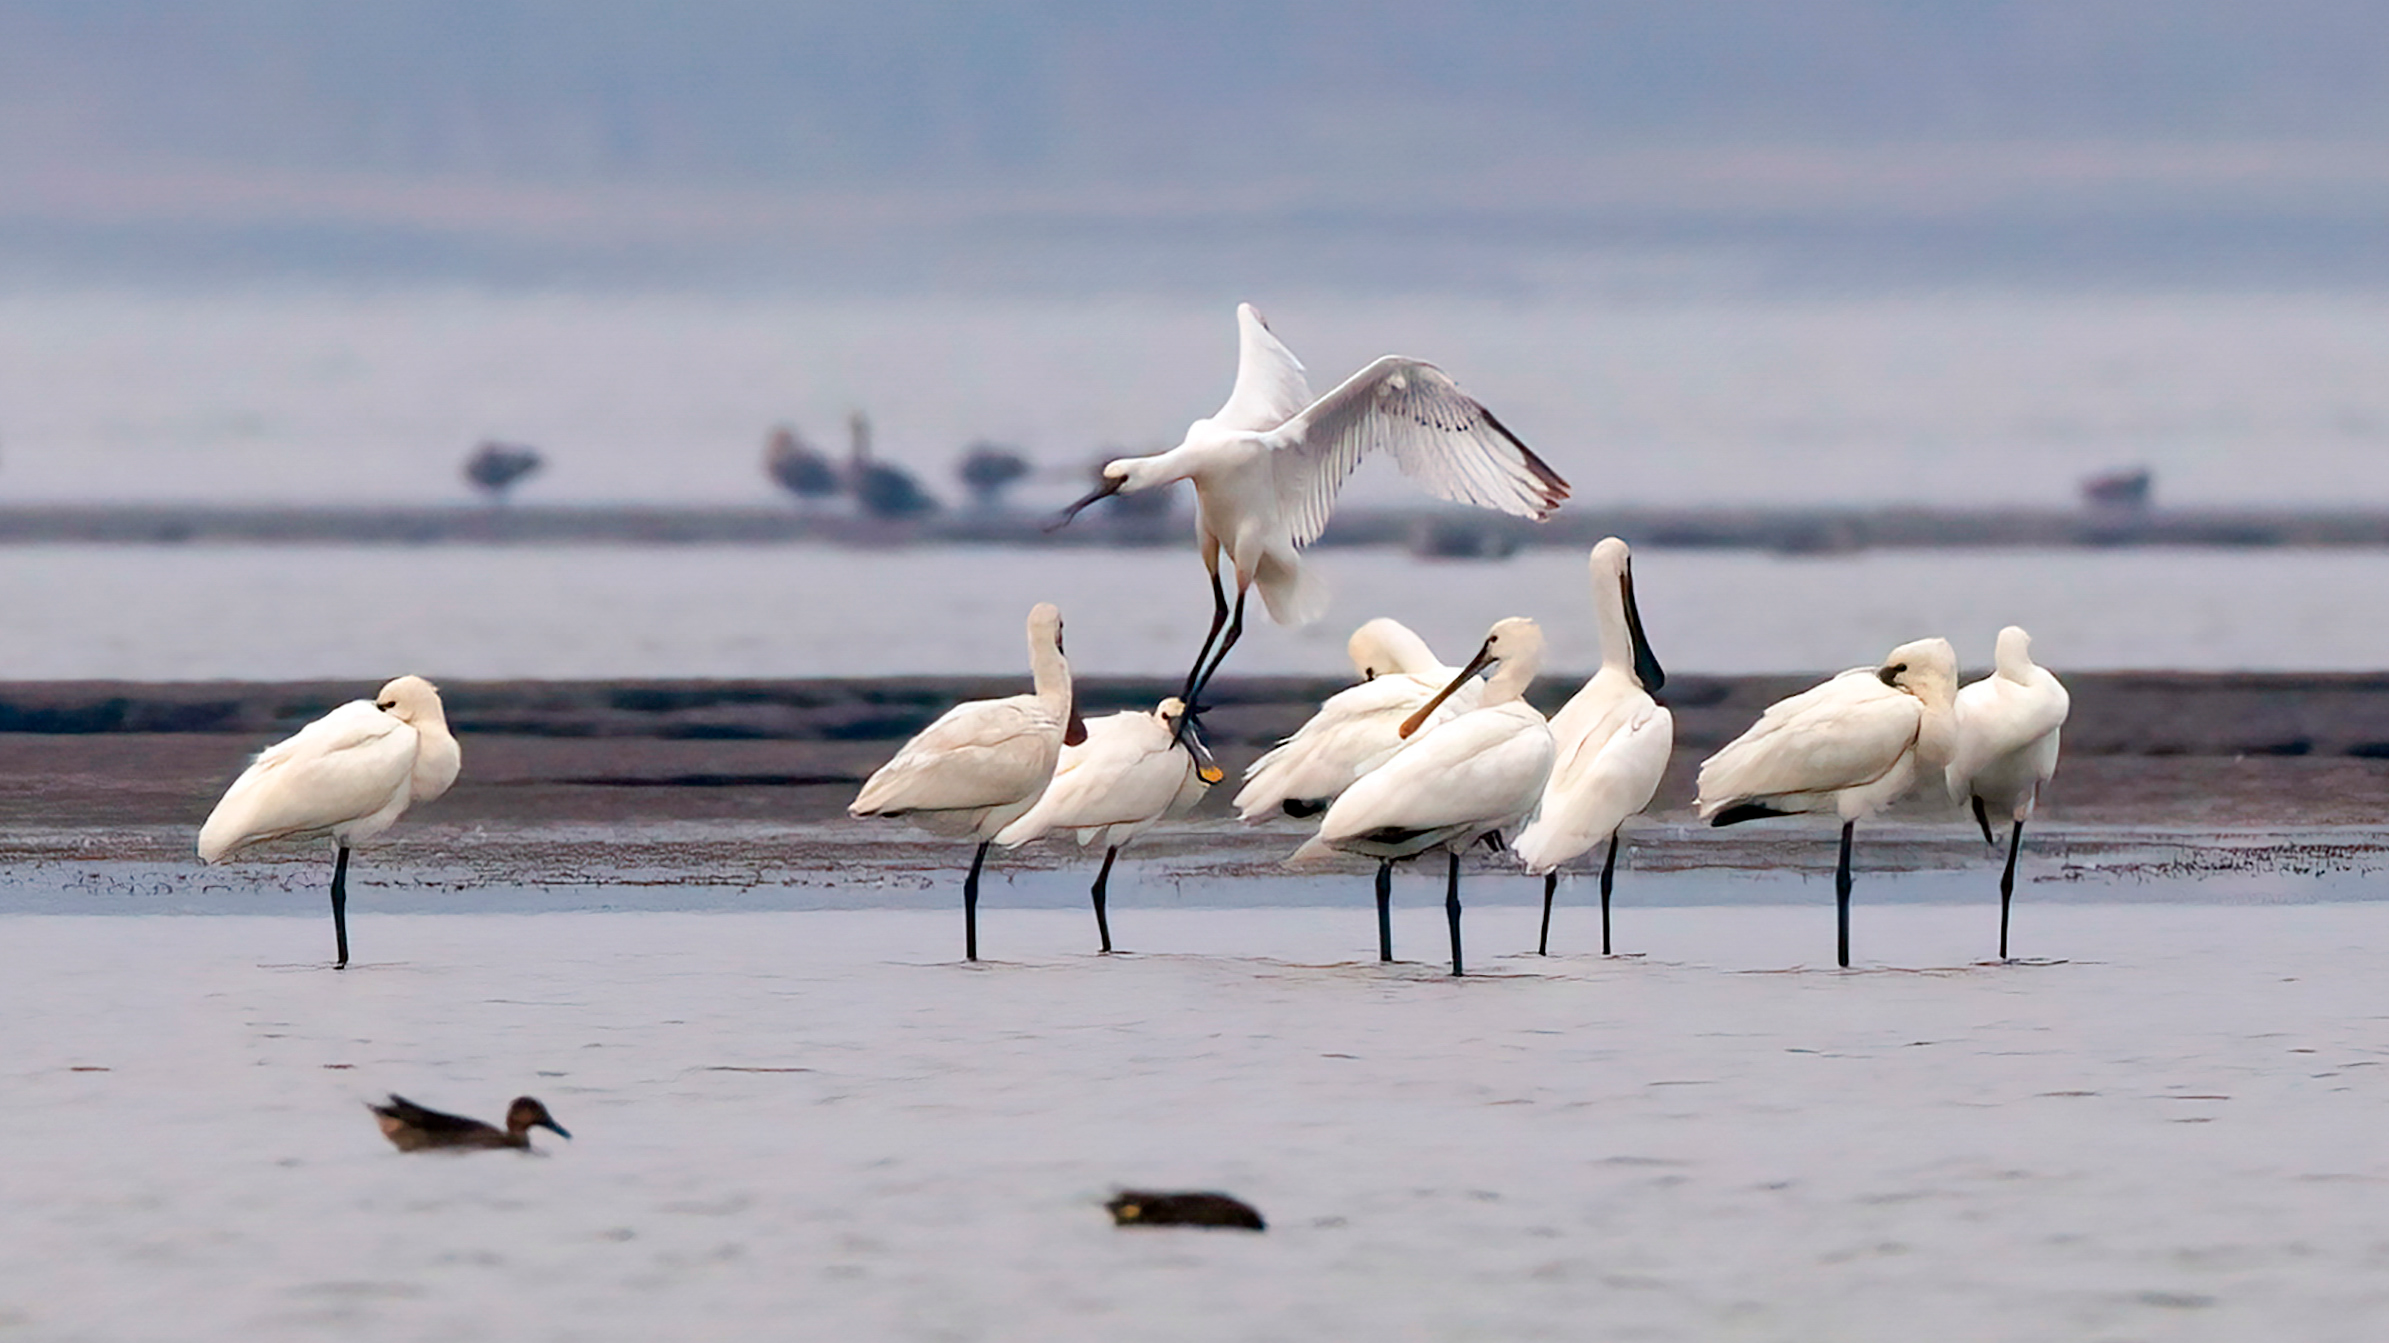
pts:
pixel 1898 667
pixel 387 705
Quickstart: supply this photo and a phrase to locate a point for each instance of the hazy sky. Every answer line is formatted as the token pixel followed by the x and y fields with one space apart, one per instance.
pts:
pixel 913 142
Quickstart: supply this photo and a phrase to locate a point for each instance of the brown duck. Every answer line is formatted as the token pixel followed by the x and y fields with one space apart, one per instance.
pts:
pixel 411 1128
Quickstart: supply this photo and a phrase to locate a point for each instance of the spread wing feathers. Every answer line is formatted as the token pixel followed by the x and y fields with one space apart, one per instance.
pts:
pixel 986 753
pixel 1997 718
pixel 1270 388
pixel 1438 435
pixel 1128 772
pixel 1356 730
pixel 1486 767
pixel 350 764
pixel 1848 732
pixel 1597 784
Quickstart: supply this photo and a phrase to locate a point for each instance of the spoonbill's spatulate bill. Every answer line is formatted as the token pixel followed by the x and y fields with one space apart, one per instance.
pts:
pixel 1357 729
pixel 1613 741
pixel 1133 771
pixel 351 773
pixel 2007 748
pixel 983 763
pixel 415 1128
pixel 1469 777
pixel 1266 468
pixel 1852 746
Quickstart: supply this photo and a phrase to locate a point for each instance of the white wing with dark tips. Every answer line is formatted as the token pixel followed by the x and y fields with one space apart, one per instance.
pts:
pixel 1439 435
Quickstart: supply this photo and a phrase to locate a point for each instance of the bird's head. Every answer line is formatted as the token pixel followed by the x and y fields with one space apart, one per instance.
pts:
pixel 1927 669
pixel 410 699
pixel 527 1114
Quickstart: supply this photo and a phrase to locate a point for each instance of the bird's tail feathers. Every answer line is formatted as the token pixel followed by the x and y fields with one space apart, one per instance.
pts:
pixel 1295 593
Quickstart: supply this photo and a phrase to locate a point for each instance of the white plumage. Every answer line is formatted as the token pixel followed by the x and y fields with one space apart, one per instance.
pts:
pixel 982 764
pixel 2007 730
pixel 1612 740
pixel 1851 746
pixel 1473 775
pixel 1267 466
pixel 1129 775
pixel 351 773
pixel 1357 728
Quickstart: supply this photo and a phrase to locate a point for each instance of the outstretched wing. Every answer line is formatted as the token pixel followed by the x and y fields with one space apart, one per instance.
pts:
pixel 1270 388
pixel 1438 434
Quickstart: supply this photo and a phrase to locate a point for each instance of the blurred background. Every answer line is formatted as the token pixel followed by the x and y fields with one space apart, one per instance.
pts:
pixel 1702 254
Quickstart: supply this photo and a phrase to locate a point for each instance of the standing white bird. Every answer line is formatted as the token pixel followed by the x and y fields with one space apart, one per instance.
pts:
pixel 1613 741
pixel 1357 728
pixel 1130 774
pixel 1266 467
pixel 351 773
pixel 1852 746
pixel 983 763
pixel 1463 779
pixel 2007 748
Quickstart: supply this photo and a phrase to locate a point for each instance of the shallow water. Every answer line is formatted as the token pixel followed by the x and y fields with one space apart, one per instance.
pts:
pixel 1955 398
pixel 180 613
pixel 2169 1129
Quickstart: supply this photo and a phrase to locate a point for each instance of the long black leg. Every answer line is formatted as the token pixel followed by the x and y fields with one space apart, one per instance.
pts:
pixel 970 904
pixel 1385 909
pixel 1219 618
pixel 340 907
pixel 1451 906
pixel 1609 869
pixel 1103 879
pixel 1550 885
pixel 1235 632
pixel 2007 884
pixel 1841 894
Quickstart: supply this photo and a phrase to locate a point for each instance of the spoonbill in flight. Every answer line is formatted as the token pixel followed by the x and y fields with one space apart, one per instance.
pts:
pixel 1266 467
pixel 1130 774
pixel 1851 746
pixel 351 773
pixel 2007 748
pixel 983 763
pixel 1613 741
pixel 1467 778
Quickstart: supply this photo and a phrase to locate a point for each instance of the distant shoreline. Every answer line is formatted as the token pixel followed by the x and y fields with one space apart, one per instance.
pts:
pixel 1453 533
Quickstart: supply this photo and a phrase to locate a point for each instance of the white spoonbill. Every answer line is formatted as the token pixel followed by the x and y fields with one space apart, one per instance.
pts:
pixel 1266 467
pixel 1357 728
pixel 983 763
pixel 351 773
pixel 1130 774
pixel 2007 748
pixel 1457 782
pixel 1613 741
pixel 1852 746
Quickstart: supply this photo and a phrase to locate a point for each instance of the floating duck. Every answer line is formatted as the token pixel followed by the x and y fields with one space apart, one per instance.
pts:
pixel 1145 1207
pixel 411 1128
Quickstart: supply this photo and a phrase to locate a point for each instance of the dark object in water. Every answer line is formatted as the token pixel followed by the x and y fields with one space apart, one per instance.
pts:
pixel 411 1128
pixel 1145 1207
pixel 800 468
pixel 2128 490
pixel 495 467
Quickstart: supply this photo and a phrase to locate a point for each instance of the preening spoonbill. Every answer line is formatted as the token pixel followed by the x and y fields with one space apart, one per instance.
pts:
pixel 1357 729
pixel 983 763
pixel 1130 774
pixel 1461 780
pixel 1852 746
pixel 351 773
pixel 2007 748
pixel 1266 467
pixel 1612 743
